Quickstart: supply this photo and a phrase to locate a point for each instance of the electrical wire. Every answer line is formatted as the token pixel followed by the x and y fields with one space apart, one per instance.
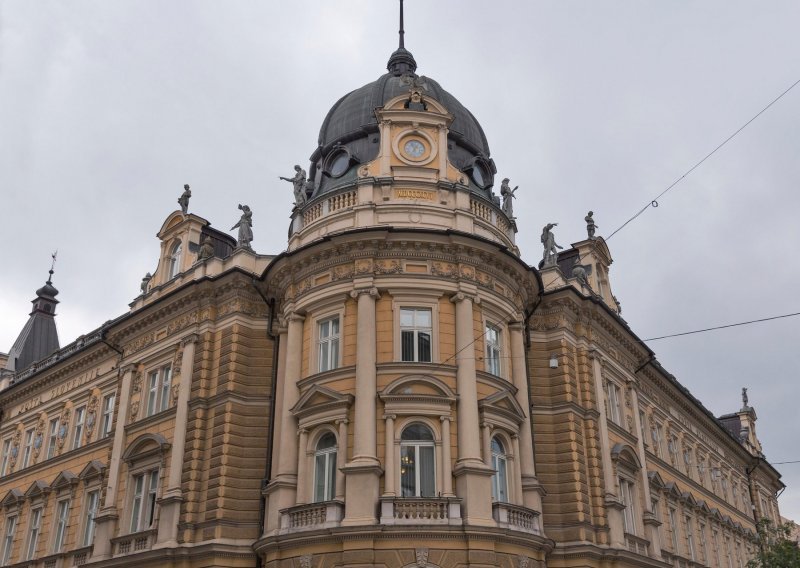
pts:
pixel 723 326
pixel 654 201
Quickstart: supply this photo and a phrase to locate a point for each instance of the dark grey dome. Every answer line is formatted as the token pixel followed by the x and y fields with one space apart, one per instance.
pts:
pixel 350 136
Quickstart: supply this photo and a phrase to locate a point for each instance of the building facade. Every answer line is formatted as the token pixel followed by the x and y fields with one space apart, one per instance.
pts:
pixel 398 388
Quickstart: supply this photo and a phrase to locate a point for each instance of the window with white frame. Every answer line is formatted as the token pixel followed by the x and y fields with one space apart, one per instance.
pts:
pixel 627 495
pixel 690 537
pixel 143 500
pixel 4 463
pixel 158 390
pixel 416 331
pixel 612 396
pixel 27 448
pixel 77 436
pixel 493 349
pixel 8 540
pixel 34 526
pixel 500 466
pixel 417 462
pixel 703 544
pixel 92 502
pixel 174 261
pixel 673 529
pixel 328 343
pixel 656 509
pixel 61 523
pixel 107 421
pixel 52 437
pixel 325 468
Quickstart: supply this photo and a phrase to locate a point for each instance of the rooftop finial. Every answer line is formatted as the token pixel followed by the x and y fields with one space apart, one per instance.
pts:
pixel 52 267
pixel 402 31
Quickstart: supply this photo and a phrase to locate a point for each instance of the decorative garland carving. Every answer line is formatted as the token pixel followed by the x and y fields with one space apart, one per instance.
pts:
pixel 421 556
pixel 91 417
pixel 63 427
pixel 15 448
pixel 38 438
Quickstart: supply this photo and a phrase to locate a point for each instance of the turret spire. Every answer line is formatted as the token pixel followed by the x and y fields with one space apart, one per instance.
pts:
pixel 401 62
pixel 402 31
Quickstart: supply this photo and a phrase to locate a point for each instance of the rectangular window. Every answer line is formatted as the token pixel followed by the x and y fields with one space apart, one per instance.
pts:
pixel 673 529
pixel 728 551
pixel 626 493
pixel 62 518
pixel 27 448
pixel 158 390
pixel 614 411
pixel 715 545
pixel 6 456
pixel 643 426
pixel 108 415
pixel 33 532
pixel 328 330
pixel 143 507
pixel 690 537
pixel 416 329
pixel 52 437
pixel 703 544
pixel 8 541
pixel 657 437
pixel 77 438
pixel 493 349
pixel 92 501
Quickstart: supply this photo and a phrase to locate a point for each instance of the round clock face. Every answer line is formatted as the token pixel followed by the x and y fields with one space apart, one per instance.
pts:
pixel 414 148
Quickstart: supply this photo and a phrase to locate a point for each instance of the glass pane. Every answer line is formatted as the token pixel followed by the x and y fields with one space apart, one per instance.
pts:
pixel 427 476
pixel 335 326
pixel 331 493
pixel 497 446
pixel 502 485
pixel 323 356
pixel 407 318
pixel 319 478
pixel 417 432
pixel 407 340
pixel 324 329
pixel 334 360
pixel 327 441
pixel 423 318
pixel 424 346
pixel 407 471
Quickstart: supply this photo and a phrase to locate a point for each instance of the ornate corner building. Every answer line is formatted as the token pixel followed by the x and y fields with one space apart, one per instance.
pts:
pixel 396 389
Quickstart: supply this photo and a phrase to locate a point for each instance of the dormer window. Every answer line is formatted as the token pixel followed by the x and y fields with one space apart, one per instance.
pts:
pixel 174 261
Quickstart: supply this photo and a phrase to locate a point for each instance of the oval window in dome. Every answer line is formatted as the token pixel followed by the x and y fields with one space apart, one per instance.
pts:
pixel 339 164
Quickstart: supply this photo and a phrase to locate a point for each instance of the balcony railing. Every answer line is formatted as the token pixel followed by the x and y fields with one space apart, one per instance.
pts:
pixel 420 511
pixel 516 518
pixel 636 544
pixel 133 543
pixel 312 516
pixel 81 556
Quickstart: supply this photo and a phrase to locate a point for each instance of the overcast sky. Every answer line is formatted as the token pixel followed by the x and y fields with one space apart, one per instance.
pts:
pixel 107 108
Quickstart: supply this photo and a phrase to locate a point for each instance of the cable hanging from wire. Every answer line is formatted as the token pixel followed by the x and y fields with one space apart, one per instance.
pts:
pixel 654 202
pixel 723 326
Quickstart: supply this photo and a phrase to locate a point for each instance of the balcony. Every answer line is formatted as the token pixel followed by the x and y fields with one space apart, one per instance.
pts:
pixel 312 516
pixel 420 511
pixel 516 518
pixel 133 543
pixel 636 544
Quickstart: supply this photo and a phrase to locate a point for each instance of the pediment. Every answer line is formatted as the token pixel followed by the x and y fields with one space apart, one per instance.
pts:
pixel 12 498
pixel 672 490
pixel 175 219
pixel 92 469
pixel 689 499
pixel 432 105
pixel 37 488
pixel 146 445
pixel 418 385
pixel 505 403
pixel 626 454
pixel 655 479
pixel 703 506
pixel 64 479
pixel 318 397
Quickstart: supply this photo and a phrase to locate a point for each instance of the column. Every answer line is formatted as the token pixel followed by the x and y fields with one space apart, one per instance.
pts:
pixel 615 522
pixel 363 472
pixel 302 469
pixel 651 524
pixel 170 502
pixel 486 437
pixel 532 490
pixel 518 473
pixel 388 460
pixel 106 520
pixel 447 469
pixel 473 476
pixel 341 458
pixel 282 489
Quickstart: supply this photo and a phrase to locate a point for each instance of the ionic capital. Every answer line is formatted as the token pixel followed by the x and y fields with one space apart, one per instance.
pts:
pixel 189 339
pixel 372 292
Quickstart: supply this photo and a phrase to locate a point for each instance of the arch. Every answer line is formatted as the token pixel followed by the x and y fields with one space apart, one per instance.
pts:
pixel 417 460
pixel 405 386
pixel 625 454
pixel 499 460
pixel 174 259
pixel 146 445
pixel 411 420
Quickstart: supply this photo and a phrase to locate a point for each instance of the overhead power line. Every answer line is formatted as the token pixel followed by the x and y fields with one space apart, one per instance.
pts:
pixel 723 326
pixel 654 201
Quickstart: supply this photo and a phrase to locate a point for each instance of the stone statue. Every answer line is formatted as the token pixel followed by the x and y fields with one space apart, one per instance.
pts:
pixel 183 200
pixel 299 183
pixel 550 257
pixel 579 272
pixel 590 226
pixel 206 249
pixel 145 283
pixel 245 225
pixel 619 305
pixel 745 400
pixel 508 195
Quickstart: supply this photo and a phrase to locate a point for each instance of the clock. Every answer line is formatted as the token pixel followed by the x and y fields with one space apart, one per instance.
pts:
pixel 414 148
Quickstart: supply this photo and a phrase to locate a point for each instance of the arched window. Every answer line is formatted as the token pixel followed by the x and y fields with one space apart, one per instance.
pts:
pixel 175 261
pixel 417 469
pixel 325 468
pixel 500 477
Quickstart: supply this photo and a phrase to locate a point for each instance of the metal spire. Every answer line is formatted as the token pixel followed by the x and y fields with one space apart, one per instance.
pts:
pixel 402 31
pixel 52 267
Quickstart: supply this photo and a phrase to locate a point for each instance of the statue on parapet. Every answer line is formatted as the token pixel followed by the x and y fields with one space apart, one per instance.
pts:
pixel 550 256
pixel 508 196
pixel 590 226
pixel 745 400
pixel 579 272
pixel 299 182
pixel 145 283
pixel 183 200
pixel 244 225
pixel 206 249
